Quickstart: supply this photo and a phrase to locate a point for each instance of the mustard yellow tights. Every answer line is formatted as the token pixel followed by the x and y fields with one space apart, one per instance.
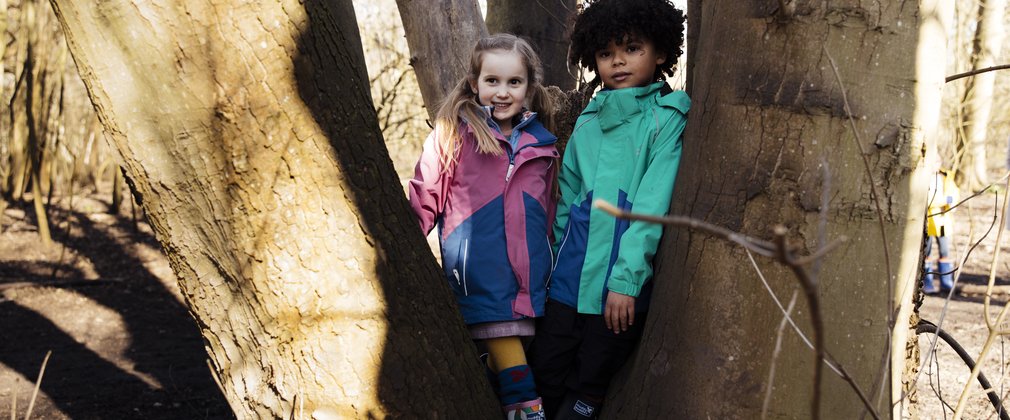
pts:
pixel 505 352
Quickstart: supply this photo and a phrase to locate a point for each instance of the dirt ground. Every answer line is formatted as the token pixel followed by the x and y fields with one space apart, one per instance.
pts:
pixel 103 300
pixel 942 379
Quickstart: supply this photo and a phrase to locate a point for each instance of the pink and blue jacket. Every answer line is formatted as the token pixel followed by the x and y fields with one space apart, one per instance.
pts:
pixel 494 217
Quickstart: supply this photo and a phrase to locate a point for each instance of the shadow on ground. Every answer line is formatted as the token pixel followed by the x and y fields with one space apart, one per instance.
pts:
pixel 123 345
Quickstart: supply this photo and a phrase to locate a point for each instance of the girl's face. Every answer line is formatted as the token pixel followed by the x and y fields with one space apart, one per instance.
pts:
pixel 631 63
pixel 502 83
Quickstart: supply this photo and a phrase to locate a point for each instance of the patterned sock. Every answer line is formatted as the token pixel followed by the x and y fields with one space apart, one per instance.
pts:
pixel 516 385
pixel 527 410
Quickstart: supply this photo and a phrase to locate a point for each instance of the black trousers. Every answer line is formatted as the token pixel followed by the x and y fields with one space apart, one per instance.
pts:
pixel 575 352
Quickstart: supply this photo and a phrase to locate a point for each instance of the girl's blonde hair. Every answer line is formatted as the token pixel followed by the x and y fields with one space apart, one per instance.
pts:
pixel 461 104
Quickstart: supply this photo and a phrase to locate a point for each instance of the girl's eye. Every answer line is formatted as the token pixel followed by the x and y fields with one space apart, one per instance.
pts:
pixel 633 48
pixel 491 80
pixel 516 81
pixel 603 54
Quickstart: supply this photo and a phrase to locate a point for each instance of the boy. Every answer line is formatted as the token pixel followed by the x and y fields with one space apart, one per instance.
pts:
pixel 625 149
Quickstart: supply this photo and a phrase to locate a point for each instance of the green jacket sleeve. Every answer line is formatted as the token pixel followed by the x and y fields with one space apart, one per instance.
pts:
pixel 633 267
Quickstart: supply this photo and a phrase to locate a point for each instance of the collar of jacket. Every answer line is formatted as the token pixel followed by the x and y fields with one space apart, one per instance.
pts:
pixel 616 106
pixel 525 116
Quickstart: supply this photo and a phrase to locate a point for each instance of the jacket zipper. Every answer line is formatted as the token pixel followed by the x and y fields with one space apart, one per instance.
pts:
pixel 466 254
pixel 554 264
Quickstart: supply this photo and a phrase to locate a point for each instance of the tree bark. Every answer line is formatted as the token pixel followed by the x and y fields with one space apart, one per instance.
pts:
pixel 440 34
pixel 986 46
pixel 769 142
pixel 249 134
pixel 545 24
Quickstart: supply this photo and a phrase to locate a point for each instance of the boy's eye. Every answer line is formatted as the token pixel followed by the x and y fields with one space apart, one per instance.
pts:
pixel 603 54
pixel 634 48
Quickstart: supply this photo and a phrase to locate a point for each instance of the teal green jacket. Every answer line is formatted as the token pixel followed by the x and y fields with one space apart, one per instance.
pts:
pixel 626 150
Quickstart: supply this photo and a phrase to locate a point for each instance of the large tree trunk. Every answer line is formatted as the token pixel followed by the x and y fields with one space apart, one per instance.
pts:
pixel 249 134
pixel 545 24
pixel 440 35
pixel 986 46
pixel 769 142
pixel 935 19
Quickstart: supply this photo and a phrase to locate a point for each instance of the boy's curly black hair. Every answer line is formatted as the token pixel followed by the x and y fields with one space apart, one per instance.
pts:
pixel 602 21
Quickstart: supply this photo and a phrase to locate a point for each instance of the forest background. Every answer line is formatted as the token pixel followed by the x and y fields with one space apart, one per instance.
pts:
pixel 63 191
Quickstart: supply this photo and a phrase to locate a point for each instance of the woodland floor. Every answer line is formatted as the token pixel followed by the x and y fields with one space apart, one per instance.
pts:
pixel 942 379
pixel 104 301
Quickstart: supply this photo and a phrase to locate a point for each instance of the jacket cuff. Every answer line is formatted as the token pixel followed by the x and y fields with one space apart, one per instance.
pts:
pixel 624 287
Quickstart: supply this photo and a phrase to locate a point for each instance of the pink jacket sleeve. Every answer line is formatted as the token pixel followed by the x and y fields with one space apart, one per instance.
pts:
pixel 428 189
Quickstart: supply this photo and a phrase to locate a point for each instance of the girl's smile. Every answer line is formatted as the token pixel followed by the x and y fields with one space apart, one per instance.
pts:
pixel 502 83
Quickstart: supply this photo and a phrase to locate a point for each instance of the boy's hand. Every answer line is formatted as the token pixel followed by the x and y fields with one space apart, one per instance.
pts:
pixel 620 312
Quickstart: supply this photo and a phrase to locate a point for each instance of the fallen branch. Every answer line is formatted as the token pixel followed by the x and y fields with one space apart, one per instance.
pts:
pixel 928 327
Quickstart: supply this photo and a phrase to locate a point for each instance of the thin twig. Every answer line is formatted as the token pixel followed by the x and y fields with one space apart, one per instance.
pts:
pixel 775 355
pixel 820 253
pixel 758 246
pixel 783 255
pixel 954 77
pixel 997 404
pixel 38 384
pixel 992 266
pixel 976 194
pixel 778 303
pixel 829 359
pixel 14 404
pixel 993 332
pixel 813 303
pixel 930 353
pixel 873 188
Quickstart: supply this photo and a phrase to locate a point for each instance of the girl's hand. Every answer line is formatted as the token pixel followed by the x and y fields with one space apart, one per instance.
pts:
pixel 619 313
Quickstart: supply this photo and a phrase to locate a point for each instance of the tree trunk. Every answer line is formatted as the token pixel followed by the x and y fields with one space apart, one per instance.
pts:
pixel 251 139
pixel 769 142
pixel 986 46
pixel 440 34
pixel 545 24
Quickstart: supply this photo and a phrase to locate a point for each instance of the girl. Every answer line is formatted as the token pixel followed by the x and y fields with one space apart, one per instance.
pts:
pixel 486 178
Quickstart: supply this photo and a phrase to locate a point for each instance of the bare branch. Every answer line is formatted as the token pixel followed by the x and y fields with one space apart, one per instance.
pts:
pixel 782 254
pixel 758 246
pixel 775 355
pixel 954 77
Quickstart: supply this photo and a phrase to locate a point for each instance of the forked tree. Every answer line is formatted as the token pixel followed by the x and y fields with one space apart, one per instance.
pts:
pixel 248 131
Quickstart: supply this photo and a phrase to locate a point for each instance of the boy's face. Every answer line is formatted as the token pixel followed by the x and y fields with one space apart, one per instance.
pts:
pixel 630 63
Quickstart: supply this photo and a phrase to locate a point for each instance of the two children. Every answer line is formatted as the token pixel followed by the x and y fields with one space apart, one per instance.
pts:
pixel 485 178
